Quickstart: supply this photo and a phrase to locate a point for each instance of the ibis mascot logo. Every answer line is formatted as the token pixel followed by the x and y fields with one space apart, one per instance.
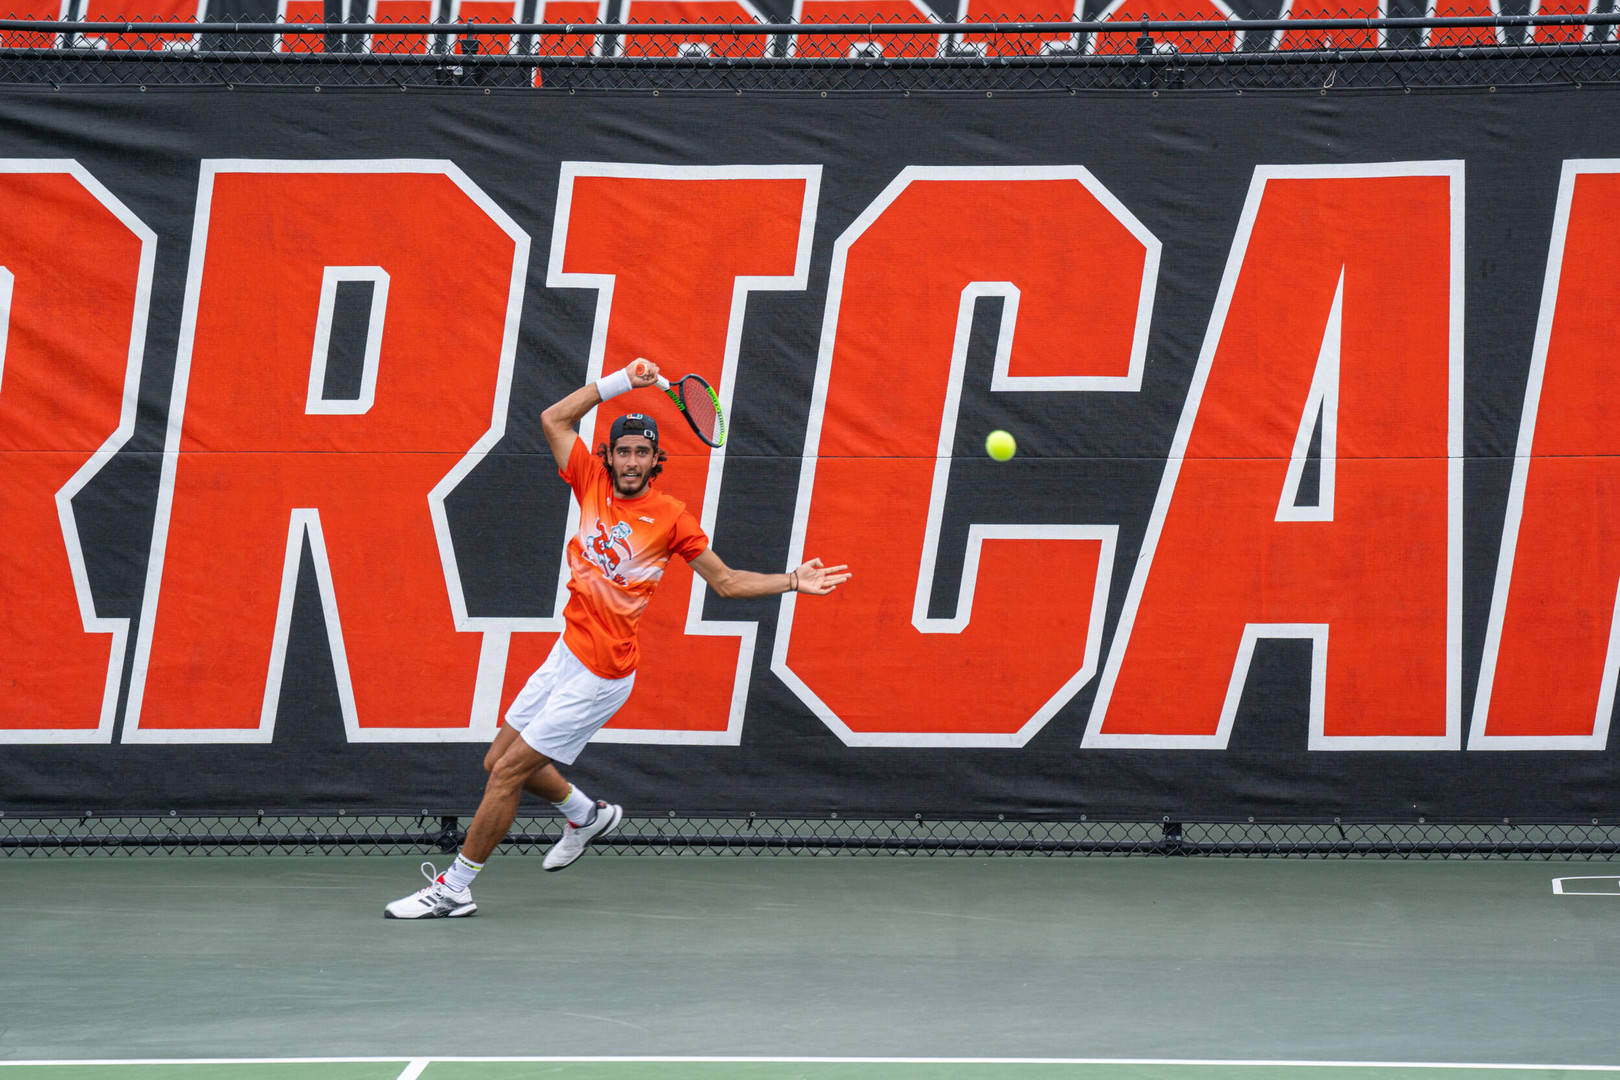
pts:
pixel 609 549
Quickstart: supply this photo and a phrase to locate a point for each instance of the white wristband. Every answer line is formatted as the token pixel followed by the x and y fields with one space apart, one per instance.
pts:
pixel 611 386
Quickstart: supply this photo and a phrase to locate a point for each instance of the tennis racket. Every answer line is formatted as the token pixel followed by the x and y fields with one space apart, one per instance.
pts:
pixel 700 405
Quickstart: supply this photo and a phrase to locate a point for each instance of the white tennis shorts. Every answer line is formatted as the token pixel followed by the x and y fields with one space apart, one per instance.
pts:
pixel 564 703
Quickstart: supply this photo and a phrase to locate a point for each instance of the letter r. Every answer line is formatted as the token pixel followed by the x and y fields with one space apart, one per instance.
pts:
pixel 258 457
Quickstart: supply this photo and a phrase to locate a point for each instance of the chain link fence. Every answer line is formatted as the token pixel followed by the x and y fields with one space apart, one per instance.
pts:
pixel 1337 49
pixel 675 834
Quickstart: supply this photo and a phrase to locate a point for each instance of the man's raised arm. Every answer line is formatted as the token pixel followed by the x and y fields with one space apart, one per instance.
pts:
pixel 558 421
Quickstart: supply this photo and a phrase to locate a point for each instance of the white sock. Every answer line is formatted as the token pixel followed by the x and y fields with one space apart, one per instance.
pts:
pixel 578 808
pixel 461 873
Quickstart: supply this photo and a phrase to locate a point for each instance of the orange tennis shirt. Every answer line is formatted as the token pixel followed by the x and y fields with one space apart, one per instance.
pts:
pixel 615 562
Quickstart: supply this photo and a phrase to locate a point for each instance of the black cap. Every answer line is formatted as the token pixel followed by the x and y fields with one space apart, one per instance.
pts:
pixel 633 424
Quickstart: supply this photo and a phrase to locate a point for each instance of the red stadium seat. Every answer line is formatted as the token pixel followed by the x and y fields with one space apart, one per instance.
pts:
pixel 1448 37
pixel 1544 35
pixel 177 11
pixel 491 12
pixel 693 11
pixel 863 11
pixel 568 11
pixel 1485 35
pixel 1330 39
pixel 42 10
pixel 399 11
pixel 303 11
pixel 1165 10
pixel 990 44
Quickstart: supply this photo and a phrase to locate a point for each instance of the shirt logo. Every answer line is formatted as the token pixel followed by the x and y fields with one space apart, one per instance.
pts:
pixel 607 550
pixel 650 521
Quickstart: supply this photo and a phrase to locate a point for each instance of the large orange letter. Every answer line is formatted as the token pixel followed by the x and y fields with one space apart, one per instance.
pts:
pixel 75 278
pixel 673 252
pixel 1552 649
pixel 1076 274
pixel 1339 324
pixel 265 448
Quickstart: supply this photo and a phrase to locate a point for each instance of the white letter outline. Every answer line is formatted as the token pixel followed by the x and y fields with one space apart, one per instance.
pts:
pixel 317 403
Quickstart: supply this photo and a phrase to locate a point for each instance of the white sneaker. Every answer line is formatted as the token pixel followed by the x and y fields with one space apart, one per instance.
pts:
pixel 437 901
pixel 576 837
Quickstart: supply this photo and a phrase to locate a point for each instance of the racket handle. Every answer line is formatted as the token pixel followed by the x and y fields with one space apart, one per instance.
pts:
pixel 663 383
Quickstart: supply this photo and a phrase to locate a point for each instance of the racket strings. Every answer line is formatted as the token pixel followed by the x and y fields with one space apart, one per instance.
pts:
pixel 702 410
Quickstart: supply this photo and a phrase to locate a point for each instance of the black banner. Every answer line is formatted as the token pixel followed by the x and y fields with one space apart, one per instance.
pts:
pixel 1198 284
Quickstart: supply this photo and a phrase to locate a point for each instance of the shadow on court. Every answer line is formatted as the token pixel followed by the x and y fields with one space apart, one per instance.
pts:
pixel 1016 957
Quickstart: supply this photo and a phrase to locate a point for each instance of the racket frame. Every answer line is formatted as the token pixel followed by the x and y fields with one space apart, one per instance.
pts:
pixel 679 398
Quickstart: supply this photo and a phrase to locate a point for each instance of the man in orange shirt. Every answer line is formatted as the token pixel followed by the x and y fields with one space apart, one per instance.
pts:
pixel 627 534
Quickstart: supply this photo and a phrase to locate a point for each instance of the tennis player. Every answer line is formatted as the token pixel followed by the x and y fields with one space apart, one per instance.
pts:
pixel 627 533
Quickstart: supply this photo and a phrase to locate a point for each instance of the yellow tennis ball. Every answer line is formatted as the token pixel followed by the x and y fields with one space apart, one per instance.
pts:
pixel 1000 445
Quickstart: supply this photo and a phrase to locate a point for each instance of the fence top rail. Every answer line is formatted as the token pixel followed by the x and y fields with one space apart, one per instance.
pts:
pixel 1224 61
pixel 473 29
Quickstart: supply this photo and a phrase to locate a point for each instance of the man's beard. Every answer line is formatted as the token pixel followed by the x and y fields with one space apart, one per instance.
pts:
pixel 618 487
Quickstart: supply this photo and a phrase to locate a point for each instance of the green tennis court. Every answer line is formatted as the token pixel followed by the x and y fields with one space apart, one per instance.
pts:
pixel 1097 969
pixel 732 1069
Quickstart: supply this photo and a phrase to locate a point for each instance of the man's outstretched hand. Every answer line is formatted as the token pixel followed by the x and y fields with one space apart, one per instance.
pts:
pixel 819 580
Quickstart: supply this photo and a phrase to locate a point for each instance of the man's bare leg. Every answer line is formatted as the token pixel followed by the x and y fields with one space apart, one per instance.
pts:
pixel 547 782
pixel 518 766
pixel 514 767
pixel 510 757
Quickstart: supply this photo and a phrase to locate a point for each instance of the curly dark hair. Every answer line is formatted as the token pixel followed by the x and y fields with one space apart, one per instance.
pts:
pixel 658 462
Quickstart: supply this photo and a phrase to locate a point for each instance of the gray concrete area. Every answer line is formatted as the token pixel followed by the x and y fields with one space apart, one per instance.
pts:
pixel 1184 958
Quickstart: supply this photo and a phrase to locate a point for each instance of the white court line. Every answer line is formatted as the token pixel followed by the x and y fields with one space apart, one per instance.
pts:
pixel 418 1064
pixel 1559 890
